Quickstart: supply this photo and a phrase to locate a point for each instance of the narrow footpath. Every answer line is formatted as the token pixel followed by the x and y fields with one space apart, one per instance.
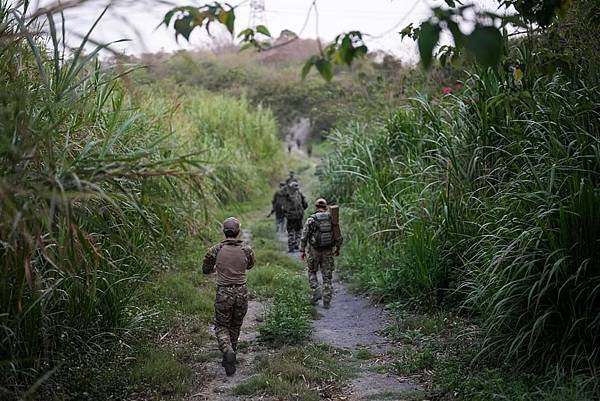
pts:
pixel 354 324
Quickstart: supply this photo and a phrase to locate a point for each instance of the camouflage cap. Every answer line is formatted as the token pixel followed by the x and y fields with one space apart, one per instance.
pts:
pixel 321 203
pixel 231 224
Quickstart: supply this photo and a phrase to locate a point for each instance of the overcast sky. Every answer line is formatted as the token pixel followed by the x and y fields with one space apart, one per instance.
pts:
pixel 137 20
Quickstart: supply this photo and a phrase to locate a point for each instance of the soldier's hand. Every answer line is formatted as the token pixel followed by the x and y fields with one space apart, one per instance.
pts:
pixel 302 255
pixel 337 252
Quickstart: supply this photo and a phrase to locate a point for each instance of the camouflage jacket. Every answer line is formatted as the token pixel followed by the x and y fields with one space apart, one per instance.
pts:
pixel 231 264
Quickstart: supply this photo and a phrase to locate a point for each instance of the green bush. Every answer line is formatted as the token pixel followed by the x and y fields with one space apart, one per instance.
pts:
pixel 288 318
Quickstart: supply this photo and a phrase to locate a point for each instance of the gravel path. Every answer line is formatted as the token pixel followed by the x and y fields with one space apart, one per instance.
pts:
pixel 353 324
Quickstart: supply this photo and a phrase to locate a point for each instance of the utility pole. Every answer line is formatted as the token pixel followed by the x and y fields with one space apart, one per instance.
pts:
pixel 257 13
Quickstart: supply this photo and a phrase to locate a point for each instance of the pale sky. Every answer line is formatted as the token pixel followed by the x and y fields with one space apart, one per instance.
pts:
pixel 137 20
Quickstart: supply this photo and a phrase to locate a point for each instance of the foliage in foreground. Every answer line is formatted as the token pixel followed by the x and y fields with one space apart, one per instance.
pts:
pixel 96 191
pixel 487 199
pixel 296 373
pixel 280 278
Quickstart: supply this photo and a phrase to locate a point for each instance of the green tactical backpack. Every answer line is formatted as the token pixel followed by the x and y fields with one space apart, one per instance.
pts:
pixel 323 236
pixel 294 209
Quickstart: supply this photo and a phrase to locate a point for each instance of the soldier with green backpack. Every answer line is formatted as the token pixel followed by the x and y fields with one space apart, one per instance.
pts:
pixel 322 238
pixel 294 206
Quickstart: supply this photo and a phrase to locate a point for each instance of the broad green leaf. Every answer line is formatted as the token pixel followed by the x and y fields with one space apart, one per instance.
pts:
pixel 168 16
pixel 263 29
pixel 308 65
pixel 485 42
pixel 325 68
pixel 457 35
pixel 428 38
pixel 246 32
pixel 227 18
pixel 345 51
pixel 183 27
pixel 407 31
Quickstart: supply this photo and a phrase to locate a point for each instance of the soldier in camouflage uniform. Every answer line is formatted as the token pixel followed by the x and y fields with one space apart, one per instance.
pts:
pixel 322 243
pixel 295 204
pixel 277 207
pixel 230 259
pixel 291 178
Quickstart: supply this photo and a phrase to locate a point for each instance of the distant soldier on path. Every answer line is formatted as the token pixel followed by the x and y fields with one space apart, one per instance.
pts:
pixel 277 205
pixel 295 204
pixel 323 242
pixel 230 259
pixel 291 178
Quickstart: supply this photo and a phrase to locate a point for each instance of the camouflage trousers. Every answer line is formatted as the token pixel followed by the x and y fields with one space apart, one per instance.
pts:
pixel 280 223
pixel 294 229
pixel 320 259
pixel 231 305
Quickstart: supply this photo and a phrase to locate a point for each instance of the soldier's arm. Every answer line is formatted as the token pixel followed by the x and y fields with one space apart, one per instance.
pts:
pixel 250 256
pixel 210 259
pixel 306 231
pixel 304 202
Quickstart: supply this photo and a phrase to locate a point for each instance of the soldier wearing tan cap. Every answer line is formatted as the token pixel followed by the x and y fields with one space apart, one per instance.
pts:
pixel 230 259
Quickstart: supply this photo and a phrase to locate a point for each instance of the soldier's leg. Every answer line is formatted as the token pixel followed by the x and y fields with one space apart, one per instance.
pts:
pixel 223 313
pixel 291 235
pixel 298 235
pixel 327 274
pixel 312 277
pixel 240 309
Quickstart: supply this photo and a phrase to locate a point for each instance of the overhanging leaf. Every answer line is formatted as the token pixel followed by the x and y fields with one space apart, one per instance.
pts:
pixel 263 29
pixel 485 42
pixel 308 65
pixel 428 37
pixel 325 68
pixel 183 26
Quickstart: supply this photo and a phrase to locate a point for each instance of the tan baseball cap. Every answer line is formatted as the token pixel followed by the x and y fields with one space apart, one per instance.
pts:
pixel 231 224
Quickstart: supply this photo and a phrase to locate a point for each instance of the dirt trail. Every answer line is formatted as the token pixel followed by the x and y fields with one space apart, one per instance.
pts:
pixel 353 324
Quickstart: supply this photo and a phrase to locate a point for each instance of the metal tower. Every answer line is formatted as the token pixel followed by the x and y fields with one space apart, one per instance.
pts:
pixel 257 13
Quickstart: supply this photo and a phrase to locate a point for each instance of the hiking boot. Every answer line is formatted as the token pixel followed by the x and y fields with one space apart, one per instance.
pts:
pixel 316 296
pixel 229 363
pixel 326 304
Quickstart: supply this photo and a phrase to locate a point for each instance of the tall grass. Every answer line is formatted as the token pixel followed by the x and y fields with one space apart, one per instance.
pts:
pixel 488 200
pixel 96 189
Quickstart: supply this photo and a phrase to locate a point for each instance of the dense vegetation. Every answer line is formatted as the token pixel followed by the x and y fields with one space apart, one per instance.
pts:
pixel 487 199
pixel 273 79
pixel 99 186
pixel 481 202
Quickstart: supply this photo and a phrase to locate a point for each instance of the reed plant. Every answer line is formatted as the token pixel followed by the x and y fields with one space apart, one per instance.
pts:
pixel 98 186
pixel 486 200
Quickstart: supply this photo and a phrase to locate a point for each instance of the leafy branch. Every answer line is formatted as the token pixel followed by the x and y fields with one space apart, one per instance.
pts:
pixel 485 42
